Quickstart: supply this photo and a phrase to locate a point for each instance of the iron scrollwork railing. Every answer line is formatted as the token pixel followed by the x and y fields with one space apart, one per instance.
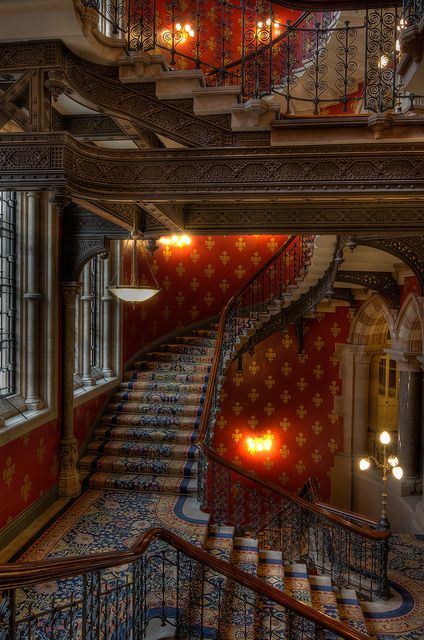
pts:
pixel 162 579
pixel 354 556
pixel 310 62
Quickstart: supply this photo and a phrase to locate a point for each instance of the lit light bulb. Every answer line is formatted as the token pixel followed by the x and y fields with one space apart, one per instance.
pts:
pixel 364 464
pixel 250 445
pixel 267 444
pixel 384 61
pixel 393 461
pixel 191 33
pixel 268 22
pixel 178 26
pixel 397 472
pixel 385 438
pixel 187 27
pixel 260 25
pixel 259 444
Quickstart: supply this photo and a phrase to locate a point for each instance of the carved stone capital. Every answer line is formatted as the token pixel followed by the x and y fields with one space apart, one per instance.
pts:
pixel 61 199
pixel 365 354
pixel 69 291
pixel 69 481
pixel 379 122
pixel 405 361
pixel 57 84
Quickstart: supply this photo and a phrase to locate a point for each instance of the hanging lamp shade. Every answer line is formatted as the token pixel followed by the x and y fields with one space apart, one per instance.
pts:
pixel 135 291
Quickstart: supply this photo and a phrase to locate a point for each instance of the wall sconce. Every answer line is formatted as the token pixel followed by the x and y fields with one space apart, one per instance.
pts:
pixel 390 463
pixel 260 443
pixel 176 240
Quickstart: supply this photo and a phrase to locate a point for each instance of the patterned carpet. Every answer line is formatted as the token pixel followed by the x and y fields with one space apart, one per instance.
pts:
pixel 138 471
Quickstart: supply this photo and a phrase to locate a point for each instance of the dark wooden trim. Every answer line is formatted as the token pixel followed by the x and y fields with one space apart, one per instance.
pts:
pixel 17 575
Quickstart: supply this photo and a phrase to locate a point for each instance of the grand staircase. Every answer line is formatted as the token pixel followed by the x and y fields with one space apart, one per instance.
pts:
pixel 146 440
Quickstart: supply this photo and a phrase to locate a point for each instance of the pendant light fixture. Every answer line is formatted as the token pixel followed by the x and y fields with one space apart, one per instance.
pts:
pixel 135 291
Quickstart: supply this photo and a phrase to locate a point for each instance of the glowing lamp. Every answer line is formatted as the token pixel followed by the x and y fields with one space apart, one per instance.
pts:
pixel 384 438
pixel 398 473
pixel 364 464
pixel 260 443
pixel 176 240
pixel 393 461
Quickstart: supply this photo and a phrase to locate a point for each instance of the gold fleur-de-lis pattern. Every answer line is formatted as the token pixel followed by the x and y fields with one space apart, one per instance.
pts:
pixel 290 392
pixel 196 281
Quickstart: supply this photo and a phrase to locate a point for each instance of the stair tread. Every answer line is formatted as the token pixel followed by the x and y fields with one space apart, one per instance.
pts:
pixel 142 449
pixel 132 464
pixel 141 482
pixel 145 434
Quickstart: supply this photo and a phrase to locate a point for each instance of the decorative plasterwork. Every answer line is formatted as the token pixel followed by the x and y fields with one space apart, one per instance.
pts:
pixel 380 281
pixel 84 236
pixel 409 249
pixel 47 160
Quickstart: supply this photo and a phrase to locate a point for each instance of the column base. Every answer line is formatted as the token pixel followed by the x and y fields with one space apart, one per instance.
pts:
pixel 107 373
pixel 34 404
pixel 69 484
pixel 88 381
pixel 69 480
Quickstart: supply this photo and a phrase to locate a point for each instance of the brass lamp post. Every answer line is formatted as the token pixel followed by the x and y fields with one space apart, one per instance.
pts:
pixel 389 463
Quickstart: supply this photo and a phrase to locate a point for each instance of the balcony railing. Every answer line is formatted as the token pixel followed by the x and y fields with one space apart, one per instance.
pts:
pixel 326 62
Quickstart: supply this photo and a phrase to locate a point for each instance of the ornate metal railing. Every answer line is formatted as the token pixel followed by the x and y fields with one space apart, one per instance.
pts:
pixel 352 554
pixel 313 61
pixel 120 595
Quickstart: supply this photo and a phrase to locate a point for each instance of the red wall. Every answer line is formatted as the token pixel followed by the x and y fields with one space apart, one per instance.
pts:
pixel 292 395
pixel 29 465
pixel 197 281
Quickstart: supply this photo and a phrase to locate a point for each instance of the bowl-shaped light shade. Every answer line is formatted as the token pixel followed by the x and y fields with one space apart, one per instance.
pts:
pixel 385 438
pixel 393 461
pixel 364 464
pixel 397 472
pixel 133 293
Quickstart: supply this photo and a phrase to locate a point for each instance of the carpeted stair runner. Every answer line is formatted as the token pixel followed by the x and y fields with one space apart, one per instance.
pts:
pixel 145 441
pixel 246 617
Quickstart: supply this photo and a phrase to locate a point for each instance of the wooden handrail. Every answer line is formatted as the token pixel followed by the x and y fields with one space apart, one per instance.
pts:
pixel 345 513
pixel 292 497
pixel 220 335
pixel 211 455
pixel 22 574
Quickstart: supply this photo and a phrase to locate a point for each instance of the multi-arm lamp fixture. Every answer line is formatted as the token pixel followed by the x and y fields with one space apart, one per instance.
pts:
pixel 390 463
pixel 135 291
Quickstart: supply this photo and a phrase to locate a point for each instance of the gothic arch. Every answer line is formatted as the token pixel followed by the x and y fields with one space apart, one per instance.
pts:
pixel 409 326
pixel 369 326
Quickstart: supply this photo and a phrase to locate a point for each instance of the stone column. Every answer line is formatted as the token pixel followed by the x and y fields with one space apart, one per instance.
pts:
pixel 361 381
pixel 107 300
pixel 87 299
pixel 408 417
pixel 32 297
pixel 69 481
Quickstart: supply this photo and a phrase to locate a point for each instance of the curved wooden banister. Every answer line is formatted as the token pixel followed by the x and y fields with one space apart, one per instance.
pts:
pixel 372 534
pixel 347 514
pixel 29 573
pixel 220 335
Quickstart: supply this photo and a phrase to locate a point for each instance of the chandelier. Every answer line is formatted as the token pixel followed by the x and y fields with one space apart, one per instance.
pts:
pixel 135 291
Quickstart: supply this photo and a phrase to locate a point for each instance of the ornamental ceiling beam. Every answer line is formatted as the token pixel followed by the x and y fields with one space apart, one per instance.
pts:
pixel 384 173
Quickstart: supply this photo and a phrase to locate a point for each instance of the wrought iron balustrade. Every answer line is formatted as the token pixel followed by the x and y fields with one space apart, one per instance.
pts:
pixel 310 62
pixel 119 595
pixel 353 554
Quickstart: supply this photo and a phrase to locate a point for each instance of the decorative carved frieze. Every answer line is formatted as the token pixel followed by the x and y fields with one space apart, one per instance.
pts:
pixel 84 236
pixel 380 281
pixel 409 249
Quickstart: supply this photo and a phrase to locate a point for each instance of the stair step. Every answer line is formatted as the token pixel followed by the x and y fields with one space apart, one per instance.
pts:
pixel 157 397
pixel 146 435
pixel 178 367
pixel 151 421
pixel 163 409
pixel 197 341
pixel 323 596
pixel 188 358
pixel 143 483
pixel 296 581
pixel 166 376
pixel 241 603
pixel 188 349
pixel 131 464
pixel 143 449
pixel 271 570
pixel 168 387
pixel 350 610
